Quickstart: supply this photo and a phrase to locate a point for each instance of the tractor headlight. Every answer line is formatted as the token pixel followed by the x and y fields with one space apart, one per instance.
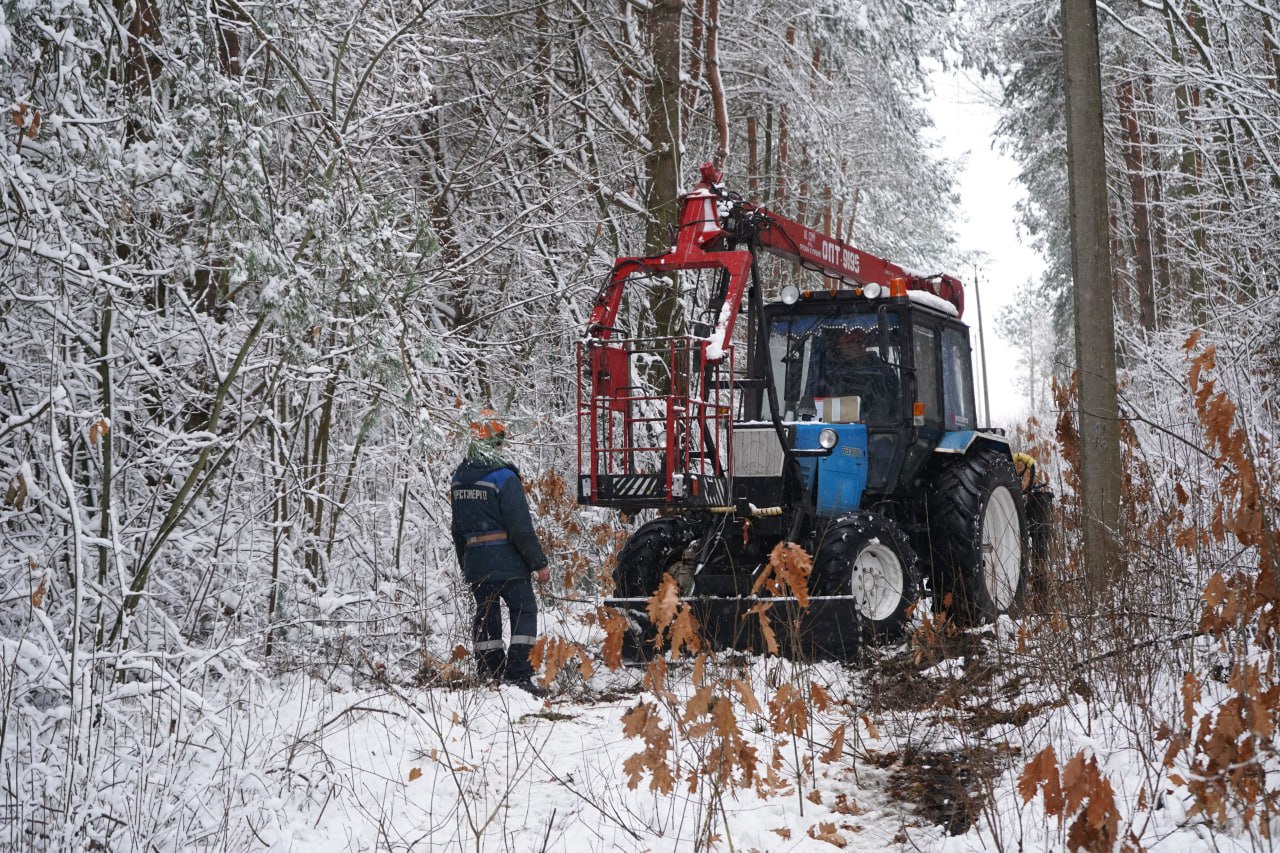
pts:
pixel 790 295
pixel 872 290
pixel 828 439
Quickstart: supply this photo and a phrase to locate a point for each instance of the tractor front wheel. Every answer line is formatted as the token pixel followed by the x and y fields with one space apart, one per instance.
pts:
pixel 652 551
pixel 977 531
pixel 866 556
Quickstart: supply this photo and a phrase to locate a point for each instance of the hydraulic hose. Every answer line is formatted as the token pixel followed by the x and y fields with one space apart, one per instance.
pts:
pixel 792 467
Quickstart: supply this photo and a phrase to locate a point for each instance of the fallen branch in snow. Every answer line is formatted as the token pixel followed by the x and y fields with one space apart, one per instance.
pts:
pixel 357 707
pixel 1145 644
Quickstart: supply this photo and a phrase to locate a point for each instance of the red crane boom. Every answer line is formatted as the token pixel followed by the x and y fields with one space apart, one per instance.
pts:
pixel 706 217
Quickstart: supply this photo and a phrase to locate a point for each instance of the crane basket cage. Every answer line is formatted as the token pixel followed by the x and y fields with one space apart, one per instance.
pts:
pixel 655 423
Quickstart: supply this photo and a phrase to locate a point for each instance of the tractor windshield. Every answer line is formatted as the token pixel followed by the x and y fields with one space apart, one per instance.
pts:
pixel 822 360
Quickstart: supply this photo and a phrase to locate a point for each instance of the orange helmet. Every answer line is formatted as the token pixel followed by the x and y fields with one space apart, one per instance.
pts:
pixel 487 427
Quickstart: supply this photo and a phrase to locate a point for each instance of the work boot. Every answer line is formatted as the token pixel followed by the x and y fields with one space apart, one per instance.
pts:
pixel 491 664
pixel 528 686
pixel 488 679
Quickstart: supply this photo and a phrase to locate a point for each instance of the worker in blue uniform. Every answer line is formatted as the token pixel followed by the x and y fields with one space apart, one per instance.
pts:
pixel 499 553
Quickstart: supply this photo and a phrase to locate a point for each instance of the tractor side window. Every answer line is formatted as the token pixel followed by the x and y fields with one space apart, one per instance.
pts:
pixel 957 380
pixel 926 355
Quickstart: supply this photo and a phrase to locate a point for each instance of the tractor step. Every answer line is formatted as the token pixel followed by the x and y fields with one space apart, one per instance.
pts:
pixel 825 630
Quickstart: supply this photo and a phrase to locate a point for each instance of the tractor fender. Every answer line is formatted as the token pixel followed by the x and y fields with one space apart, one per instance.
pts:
pixel 962 442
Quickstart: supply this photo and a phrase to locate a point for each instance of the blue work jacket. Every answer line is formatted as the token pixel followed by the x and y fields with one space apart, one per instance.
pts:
pixel 492 528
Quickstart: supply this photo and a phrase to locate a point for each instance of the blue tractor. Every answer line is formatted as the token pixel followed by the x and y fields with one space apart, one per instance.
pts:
pixel 841 420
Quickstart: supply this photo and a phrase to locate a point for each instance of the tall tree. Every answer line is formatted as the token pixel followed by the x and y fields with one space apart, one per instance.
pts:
pixel 1143 241
pixel 663 161
pixel 1100 474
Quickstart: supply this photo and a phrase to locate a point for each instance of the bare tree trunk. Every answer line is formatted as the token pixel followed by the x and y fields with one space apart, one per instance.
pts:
pixel 780 169
pixel 1119 266
pixel 437 185
pixel 827 219
pixel 1135 168
pixel 279 516
pixel 767 172
pixel 1159 232
pixel 1271 42
pixel 1100 474
pixel 319 487
pixel 663 162
pixel 544 101
pixel 231 18
pixel 716 85
pixel 696 52
pixel 142 66
pixel 106 524
pixel 1186 98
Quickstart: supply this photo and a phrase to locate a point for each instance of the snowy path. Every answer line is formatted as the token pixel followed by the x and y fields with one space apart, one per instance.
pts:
pixel 496 769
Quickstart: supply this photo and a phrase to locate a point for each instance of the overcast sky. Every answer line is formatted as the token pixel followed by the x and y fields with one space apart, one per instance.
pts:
pixel 965 122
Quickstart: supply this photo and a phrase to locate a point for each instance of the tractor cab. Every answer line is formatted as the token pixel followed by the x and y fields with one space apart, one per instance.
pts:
pixel 899 367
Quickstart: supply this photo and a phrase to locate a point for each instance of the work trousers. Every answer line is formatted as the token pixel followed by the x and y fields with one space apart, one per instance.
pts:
pixel 492 659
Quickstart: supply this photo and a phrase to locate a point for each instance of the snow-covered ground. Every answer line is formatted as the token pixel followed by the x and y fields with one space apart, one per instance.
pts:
pixel 920 747
pixel 495 769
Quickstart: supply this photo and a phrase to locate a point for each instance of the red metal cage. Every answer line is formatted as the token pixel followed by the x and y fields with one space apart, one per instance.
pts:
pixel 655 423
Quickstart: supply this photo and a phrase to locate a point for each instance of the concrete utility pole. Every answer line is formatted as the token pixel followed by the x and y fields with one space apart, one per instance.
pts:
pixel 1100 474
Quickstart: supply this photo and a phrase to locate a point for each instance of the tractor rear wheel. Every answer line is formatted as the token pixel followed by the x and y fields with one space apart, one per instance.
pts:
pixel 866 556
pixel 652 551
pixel 977 532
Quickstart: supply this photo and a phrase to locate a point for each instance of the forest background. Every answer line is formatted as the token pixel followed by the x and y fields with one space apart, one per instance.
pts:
pixel 261 263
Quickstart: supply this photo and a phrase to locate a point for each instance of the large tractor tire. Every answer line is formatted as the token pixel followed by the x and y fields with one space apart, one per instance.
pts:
pixel 977 533
pixel 652 551
pixel 866 556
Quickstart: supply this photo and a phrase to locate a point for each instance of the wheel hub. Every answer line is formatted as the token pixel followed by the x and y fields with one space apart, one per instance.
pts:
pixel 1001 549
pixel 876 581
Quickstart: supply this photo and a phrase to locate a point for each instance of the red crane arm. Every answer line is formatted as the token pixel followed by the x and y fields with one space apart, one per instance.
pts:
pixel 795 242
pixel 708 211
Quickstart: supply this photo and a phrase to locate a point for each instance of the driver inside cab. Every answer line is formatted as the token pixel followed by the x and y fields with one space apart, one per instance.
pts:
pixel 853 370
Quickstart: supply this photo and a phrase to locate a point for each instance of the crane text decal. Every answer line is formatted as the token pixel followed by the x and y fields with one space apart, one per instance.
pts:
pixel 831 252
